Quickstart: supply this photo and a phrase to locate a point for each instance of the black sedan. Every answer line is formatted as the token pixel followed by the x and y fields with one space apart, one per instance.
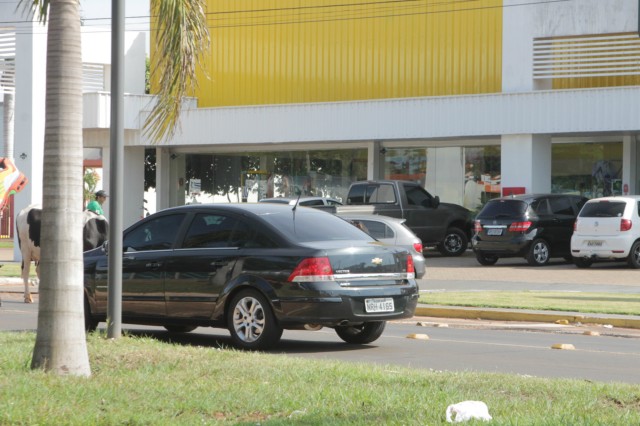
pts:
pixel 255 269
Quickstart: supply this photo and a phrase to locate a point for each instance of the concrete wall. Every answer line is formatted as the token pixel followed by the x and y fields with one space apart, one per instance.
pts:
pixel 523 23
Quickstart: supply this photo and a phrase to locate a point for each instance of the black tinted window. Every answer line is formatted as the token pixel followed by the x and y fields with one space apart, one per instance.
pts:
pixel 561 206
pixel 503 208
pixel 356 194
pixel 156 234
pixel 603 209
pixel 210 230
pixel 377 229
pixel 313 225
pixel 312 203
pixel 541 206
pixel 382 194
pixel 416 196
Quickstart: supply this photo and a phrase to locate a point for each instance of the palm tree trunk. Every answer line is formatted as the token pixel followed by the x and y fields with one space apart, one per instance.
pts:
pixel 60 342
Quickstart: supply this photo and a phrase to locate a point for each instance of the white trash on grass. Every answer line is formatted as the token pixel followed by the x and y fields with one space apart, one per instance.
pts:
pixel 467 410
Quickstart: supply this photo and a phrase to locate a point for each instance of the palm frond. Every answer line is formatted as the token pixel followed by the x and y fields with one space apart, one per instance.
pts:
pixel 182 39
pixel 38 7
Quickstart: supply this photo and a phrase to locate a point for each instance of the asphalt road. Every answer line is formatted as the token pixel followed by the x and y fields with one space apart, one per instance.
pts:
pixel 457 345
pixel 452 345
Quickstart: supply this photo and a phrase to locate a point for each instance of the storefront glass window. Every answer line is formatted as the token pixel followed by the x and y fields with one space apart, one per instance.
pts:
pixel 406 164
pixel 589 169
pixel 482 179
pixel 249 177
pixel 440 171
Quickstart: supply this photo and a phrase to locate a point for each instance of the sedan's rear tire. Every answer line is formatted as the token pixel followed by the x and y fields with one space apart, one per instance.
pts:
pixel 634 256
pixel 251 321
pixel 582 262
pixel 180 328
pixel 539 253
pixel 90 324
pixel 486 259
pixel 455 242
pixel 361 334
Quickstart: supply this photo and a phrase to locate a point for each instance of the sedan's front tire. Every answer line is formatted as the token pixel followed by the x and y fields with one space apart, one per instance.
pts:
pixel 251 321
pixel 90 324
pixel 361 334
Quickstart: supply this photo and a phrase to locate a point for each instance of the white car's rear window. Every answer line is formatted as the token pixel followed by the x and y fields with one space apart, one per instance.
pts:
pixel 603 209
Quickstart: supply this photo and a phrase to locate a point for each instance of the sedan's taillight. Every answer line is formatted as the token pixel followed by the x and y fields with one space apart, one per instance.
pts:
pixel 519 226
pixel 477 227
pixel 625 224
pixel 312 269
pixel 411 269
pixel 417 247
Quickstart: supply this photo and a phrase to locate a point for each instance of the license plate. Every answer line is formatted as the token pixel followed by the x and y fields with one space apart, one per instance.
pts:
pixel 494 231
pixel 594 243
pixel 379 305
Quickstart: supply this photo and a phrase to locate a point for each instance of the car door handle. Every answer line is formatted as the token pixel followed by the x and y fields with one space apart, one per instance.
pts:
pixel 219 263
pixel 153 265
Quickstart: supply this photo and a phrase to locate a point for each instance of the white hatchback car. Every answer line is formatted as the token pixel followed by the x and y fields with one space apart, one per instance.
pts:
pixel 607 229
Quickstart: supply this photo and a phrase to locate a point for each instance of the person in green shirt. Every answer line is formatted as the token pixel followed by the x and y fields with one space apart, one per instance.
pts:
pixel 96 205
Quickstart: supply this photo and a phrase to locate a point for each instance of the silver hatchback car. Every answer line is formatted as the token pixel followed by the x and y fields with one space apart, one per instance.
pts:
pixel 392 231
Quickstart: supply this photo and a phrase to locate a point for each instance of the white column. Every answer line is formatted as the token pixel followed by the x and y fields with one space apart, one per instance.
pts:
pixel 29 114
pixel 375 161
pixel 630 164
pixel 133 197
pixel 163 173
pixel 526 162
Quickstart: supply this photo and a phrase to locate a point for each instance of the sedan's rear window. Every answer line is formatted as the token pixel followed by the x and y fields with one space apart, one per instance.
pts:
pixel 503 208
pixel 603 209
pixel 306 226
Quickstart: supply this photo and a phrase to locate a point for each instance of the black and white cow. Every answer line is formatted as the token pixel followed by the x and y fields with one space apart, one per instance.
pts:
pixel 94 233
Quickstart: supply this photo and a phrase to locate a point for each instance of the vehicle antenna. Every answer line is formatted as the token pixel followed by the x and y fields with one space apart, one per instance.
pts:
pixel 297 201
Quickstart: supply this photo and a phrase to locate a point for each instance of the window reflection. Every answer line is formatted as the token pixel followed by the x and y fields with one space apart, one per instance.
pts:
pixel 249 177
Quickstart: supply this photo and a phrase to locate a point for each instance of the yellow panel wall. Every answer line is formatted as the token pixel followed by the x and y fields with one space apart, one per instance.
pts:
pixel 590 82
pixel 298 51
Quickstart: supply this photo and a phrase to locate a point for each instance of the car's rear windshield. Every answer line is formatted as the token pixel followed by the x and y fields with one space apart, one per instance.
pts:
pixel 603 209
pixel 503 208
pixel 303 226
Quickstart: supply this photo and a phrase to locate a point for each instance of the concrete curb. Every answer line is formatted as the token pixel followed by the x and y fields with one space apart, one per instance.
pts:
pixel 620 321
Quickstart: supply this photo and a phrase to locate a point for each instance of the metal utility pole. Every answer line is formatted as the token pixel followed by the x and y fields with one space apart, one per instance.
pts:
pixel 114 307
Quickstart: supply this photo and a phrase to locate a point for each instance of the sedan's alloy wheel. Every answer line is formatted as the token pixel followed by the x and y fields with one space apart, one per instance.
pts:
pixel 248 319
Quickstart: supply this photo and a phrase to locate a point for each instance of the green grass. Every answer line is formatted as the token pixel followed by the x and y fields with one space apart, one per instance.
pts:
pixel 12 269
pixel 608 303
pixel 140 381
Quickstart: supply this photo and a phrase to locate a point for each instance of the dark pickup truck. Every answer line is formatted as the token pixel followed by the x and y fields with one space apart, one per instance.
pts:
pixel 446 226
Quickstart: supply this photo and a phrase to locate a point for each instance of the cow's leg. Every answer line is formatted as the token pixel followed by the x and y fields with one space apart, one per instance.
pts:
pixel 26 265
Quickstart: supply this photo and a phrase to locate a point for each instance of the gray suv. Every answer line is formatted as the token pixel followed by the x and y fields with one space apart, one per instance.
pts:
pixel 535 226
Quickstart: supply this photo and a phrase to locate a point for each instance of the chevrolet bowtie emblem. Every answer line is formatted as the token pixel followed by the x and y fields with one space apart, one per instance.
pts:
pixel 376 261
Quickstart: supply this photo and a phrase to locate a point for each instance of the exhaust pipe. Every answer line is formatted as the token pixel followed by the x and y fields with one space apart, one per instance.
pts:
pixel 312 327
